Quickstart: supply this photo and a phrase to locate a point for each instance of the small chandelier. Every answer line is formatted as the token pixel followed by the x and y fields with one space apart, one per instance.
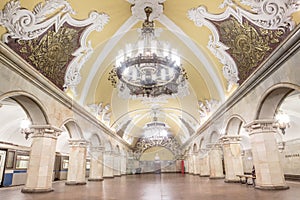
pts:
pixel 148 69
pixel 282 121
pixel 25 128
pixel 156 131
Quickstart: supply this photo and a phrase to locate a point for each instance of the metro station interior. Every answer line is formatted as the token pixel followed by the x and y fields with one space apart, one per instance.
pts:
pixel 149 99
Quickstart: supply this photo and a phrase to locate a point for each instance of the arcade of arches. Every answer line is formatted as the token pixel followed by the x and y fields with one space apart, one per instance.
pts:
pixel 62 117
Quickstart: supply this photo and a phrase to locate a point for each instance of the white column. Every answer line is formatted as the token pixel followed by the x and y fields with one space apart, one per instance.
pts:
pixel 42 157
pixel 191 164
pixel 96 171
pixel 77 162
pixel 123 165
pixel 196 164
pixel 204 166
pixel 108 159
pixel 232 158
pixel 215 162
pixel 186 164
pixel 266 158
pixel 117 165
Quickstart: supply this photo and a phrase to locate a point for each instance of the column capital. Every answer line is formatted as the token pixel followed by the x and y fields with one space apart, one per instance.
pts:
pixel 214 146
pixel 47 131
pixel 97 149
pixel 261 126
pixel 231 139
pixel 78 142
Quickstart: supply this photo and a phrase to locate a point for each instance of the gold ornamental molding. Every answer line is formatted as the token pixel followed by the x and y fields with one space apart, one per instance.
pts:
pixel 246 29
pixel 53 45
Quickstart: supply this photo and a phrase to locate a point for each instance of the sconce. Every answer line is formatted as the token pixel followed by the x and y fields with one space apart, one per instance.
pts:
pixel 25 128
pixel 282 121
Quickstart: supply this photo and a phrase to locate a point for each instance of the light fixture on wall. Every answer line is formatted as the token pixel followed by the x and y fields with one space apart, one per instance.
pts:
pixel 282 121
pixel 148 68
pixel 25 128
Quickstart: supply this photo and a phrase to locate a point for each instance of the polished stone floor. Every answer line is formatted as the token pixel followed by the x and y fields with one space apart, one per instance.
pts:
pixel 156 187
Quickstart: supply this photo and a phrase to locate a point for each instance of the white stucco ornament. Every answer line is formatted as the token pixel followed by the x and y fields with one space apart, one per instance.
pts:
pixel 138 7
pixel 267 14
pixel 24 24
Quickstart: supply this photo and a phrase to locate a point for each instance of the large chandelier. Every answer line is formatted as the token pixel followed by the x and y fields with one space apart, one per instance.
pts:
pixel 148 68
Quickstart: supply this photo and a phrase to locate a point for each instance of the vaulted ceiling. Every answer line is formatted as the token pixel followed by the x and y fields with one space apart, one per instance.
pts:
pixel 75 44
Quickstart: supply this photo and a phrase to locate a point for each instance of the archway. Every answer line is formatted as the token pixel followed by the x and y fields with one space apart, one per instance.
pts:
pixel 157 159
pixel 15 137
pixel 266 157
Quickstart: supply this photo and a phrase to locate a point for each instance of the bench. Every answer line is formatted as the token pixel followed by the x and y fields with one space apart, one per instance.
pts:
pixel 244 179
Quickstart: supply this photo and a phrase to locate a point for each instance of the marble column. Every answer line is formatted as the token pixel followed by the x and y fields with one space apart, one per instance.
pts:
pixel 266 157
pixel 197 163
pixel 204 166
pixel 42 157
pixel 117 165
pixel 96 170
pixel 186 165
pixel 232 158
pixel 215 162
pixel 191 164
pixel 77 162
pixel 108 166
pixel 123 165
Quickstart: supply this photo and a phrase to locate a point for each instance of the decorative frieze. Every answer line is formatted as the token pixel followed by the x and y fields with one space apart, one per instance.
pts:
pixel 48 131
pixel 78 143
pixel 261 126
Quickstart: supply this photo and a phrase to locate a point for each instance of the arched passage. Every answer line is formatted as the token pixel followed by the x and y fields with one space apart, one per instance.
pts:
pixel 263 130
pixel 272 99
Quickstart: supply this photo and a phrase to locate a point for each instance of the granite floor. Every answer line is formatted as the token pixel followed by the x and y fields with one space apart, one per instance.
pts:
pixel 156 187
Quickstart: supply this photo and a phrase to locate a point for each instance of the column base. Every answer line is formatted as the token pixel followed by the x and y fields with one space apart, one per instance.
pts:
pixel 272 187
pixel 108 177
pixel 95 179
pixel 75 183
pixel 217 177
pixel 232 181
pixel 204 175
pixel 117 175
pixel 36 190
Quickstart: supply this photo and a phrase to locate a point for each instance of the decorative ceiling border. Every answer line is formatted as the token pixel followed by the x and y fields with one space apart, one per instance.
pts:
pixel 267 14
pixel 23 24
pixel 145 143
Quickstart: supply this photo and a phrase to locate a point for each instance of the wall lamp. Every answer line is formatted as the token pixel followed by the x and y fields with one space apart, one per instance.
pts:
pixel 282 121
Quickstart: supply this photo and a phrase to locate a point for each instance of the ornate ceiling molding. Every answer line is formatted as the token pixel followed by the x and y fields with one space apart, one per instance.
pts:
pixel 269 14
pixel 145 143
pixel 23 24
pixel 138 7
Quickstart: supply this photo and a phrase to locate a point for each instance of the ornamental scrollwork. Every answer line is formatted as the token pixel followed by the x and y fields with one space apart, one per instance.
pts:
pixel 145 143
pixel 265 14
pixel 53 15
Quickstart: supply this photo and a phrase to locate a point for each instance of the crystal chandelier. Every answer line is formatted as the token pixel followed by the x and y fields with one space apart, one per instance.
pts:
pixel 155 130
pixel 148 69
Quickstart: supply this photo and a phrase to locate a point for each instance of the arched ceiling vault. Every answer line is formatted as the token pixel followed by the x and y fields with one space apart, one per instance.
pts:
pixel 82 41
